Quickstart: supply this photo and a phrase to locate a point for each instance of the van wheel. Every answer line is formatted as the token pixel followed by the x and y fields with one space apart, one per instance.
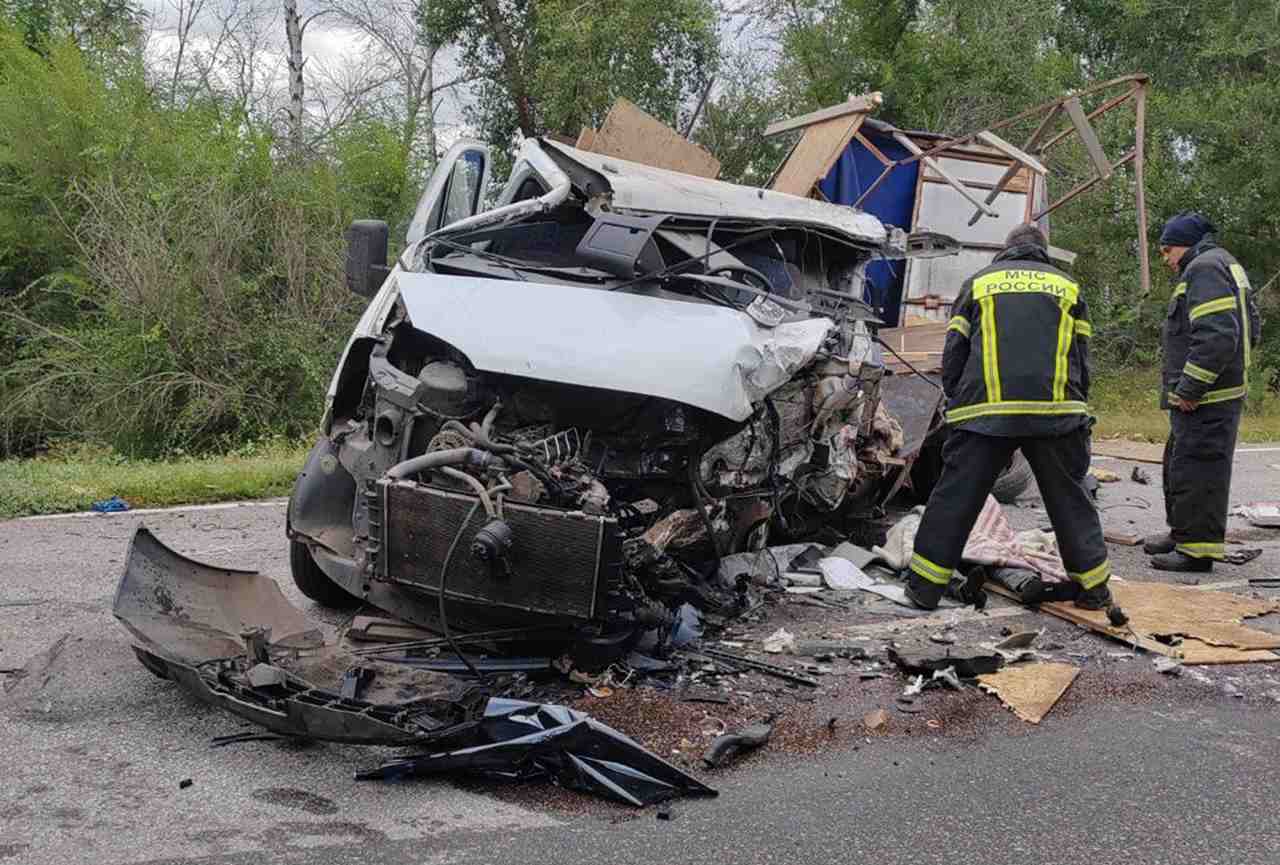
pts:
pixel 315 583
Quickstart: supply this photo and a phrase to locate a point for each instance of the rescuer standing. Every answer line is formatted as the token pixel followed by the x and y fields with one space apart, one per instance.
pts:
pixel 1211 327
pixel 1015 370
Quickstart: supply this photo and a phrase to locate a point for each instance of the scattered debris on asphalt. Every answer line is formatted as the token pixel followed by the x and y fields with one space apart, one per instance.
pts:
pixel 876 721
pixel 527 741
pixel 1139 475
pixel 1124 538
pixel 1102 475
pixel 728 745
pixel 922 657
pixel 1261 514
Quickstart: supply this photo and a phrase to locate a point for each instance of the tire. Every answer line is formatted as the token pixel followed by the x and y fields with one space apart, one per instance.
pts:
pixel 1013 481
pixel 315 583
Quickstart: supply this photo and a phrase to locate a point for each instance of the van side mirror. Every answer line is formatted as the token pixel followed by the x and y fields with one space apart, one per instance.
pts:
pixel 366 256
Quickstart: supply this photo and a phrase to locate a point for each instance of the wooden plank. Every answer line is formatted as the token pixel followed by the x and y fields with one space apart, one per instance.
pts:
pixel 863 104
pixel 1139 178
pixel 630 133
pixel 871 148
pixel 946 175
pixel 1090 138
pixel 1012 152
pixel 815 153
pixel 874 186
pixel 586 138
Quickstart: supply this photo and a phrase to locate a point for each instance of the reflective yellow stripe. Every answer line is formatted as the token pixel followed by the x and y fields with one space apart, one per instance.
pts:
pixel 1045 407
pixel 1066 326
pixel 1083 328
pixel 1202 550
pixel 931 572
pixel 960 325
pixel 1222 304
pixel 1025 282
pixel 990 353
pixel 1225 394
pixel 1242 283
pixel 1199 373
pixel 1094 576
pixel 1180 288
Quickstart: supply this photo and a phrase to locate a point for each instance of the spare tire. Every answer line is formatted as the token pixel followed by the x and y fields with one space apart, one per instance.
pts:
pixel 1013 481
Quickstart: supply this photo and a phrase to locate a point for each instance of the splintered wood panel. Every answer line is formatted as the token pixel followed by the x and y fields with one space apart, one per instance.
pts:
pixel 1030 690
pixel 1142 452
pixel 1208 622
pixel 919 344
pixel 817 150
pixel 630 133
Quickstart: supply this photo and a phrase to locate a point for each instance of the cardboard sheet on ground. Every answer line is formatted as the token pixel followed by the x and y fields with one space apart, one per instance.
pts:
pixel 1030 690
pixel 1209 623
pixel 1142 452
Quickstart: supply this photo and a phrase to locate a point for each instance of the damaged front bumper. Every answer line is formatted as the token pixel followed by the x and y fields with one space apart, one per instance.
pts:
pixel 231 639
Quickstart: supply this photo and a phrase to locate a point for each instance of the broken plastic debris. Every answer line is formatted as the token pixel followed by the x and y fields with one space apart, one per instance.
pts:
pixel 914 687
pixel 525 741
pixel 780 641
pixel 113 505
pixel 1021 640
pixel 1262 514
pixel 729 745
pixel 949 678
pixel 803 579
pixel 840 573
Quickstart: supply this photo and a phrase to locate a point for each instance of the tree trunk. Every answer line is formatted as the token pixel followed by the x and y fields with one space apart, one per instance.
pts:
pixel 511 68
pixel 293 28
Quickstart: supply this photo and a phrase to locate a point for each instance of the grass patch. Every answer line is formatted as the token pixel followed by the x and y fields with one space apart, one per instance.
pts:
pixel 1127 405
pixel 72 480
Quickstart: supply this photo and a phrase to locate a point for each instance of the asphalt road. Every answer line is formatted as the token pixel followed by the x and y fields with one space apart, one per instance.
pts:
pixel 1132 767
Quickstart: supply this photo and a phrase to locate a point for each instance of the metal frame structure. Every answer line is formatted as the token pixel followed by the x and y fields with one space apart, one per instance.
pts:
pixel 1031 155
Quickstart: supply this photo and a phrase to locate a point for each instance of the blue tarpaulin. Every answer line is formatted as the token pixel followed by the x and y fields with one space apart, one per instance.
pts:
pixel 892 203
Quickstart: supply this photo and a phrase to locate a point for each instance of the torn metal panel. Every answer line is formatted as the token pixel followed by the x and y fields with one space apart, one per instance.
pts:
pixel 654 190
pixel 706 356
pixel 524 741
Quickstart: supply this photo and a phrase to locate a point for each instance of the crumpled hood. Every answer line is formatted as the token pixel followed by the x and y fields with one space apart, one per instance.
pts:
pixel 706 356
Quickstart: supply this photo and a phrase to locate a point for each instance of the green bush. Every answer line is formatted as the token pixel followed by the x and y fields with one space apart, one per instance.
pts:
pixel 174 286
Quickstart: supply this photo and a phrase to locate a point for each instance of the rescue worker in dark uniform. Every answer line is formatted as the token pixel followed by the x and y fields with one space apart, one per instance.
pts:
pixel 1211 328
pixel 1015 369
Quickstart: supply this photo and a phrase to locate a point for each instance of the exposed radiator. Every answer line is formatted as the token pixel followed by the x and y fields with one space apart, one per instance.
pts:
pixel 560 563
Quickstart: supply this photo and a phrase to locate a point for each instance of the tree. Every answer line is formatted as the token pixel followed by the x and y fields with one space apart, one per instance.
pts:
pixel 557 65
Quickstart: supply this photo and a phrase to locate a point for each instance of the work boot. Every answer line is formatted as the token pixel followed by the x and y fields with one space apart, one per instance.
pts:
pixel 1181 563
pixel 1155 544
pixel 923 593
pixel 1097 598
